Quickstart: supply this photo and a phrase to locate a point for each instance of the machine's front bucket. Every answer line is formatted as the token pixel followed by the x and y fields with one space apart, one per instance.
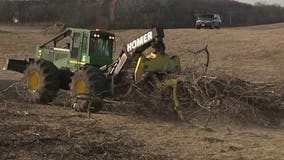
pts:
pixel 16 65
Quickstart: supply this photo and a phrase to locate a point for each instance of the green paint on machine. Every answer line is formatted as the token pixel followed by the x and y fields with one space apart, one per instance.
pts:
pixel 93 47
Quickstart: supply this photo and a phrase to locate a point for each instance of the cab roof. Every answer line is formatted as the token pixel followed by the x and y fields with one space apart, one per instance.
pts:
pixel 95 31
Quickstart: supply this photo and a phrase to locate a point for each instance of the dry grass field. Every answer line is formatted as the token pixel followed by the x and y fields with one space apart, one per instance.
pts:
pixel 30 131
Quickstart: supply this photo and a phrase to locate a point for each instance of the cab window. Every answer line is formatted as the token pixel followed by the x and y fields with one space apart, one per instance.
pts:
pixel 75 45
pixel 101 47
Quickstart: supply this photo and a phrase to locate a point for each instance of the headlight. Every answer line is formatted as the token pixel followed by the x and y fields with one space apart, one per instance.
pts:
pixel 39 52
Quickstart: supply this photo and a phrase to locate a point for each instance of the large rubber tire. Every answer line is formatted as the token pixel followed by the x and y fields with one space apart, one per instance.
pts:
pixel 218 26
pixel 42 81
pixel 65 78
pixel 89 80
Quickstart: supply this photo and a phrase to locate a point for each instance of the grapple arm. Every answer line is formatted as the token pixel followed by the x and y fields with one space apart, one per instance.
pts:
pixel 138 45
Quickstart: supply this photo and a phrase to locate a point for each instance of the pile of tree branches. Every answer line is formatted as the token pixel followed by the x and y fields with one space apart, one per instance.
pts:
pixel 195 92
pixel 214 96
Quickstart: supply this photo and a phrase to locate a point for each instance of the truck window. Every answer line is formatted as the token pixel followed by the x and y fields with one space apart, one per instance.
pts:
pixel 207 16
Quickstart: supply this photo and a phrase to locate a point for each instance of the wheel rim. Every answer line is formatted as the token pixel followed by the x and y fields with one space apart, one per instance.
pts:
pixel 33 81
pixel 80 86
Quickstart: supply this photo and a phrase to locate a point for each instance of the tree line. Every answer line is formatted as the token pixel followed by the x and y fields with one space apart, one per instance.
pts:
pixel 137 13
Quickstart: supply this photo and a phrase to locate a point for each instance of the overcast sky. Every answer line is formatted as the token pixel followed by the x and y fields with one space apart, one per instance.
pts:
pixel 281 2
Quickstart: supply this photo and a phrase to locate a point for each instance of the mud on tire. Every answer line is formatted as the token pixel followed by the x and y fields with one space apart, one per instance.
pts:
pixel 89 80
pixel 42 81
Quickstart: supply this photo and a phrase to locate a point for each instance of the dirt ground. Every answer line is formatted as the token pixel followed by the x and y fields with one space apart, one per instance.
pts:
pixel 30 131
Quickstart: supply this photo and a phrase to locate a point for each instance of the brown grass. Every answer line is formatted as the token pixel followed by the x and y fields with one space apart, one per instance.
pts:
pixel 253 53
pixel 37 132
